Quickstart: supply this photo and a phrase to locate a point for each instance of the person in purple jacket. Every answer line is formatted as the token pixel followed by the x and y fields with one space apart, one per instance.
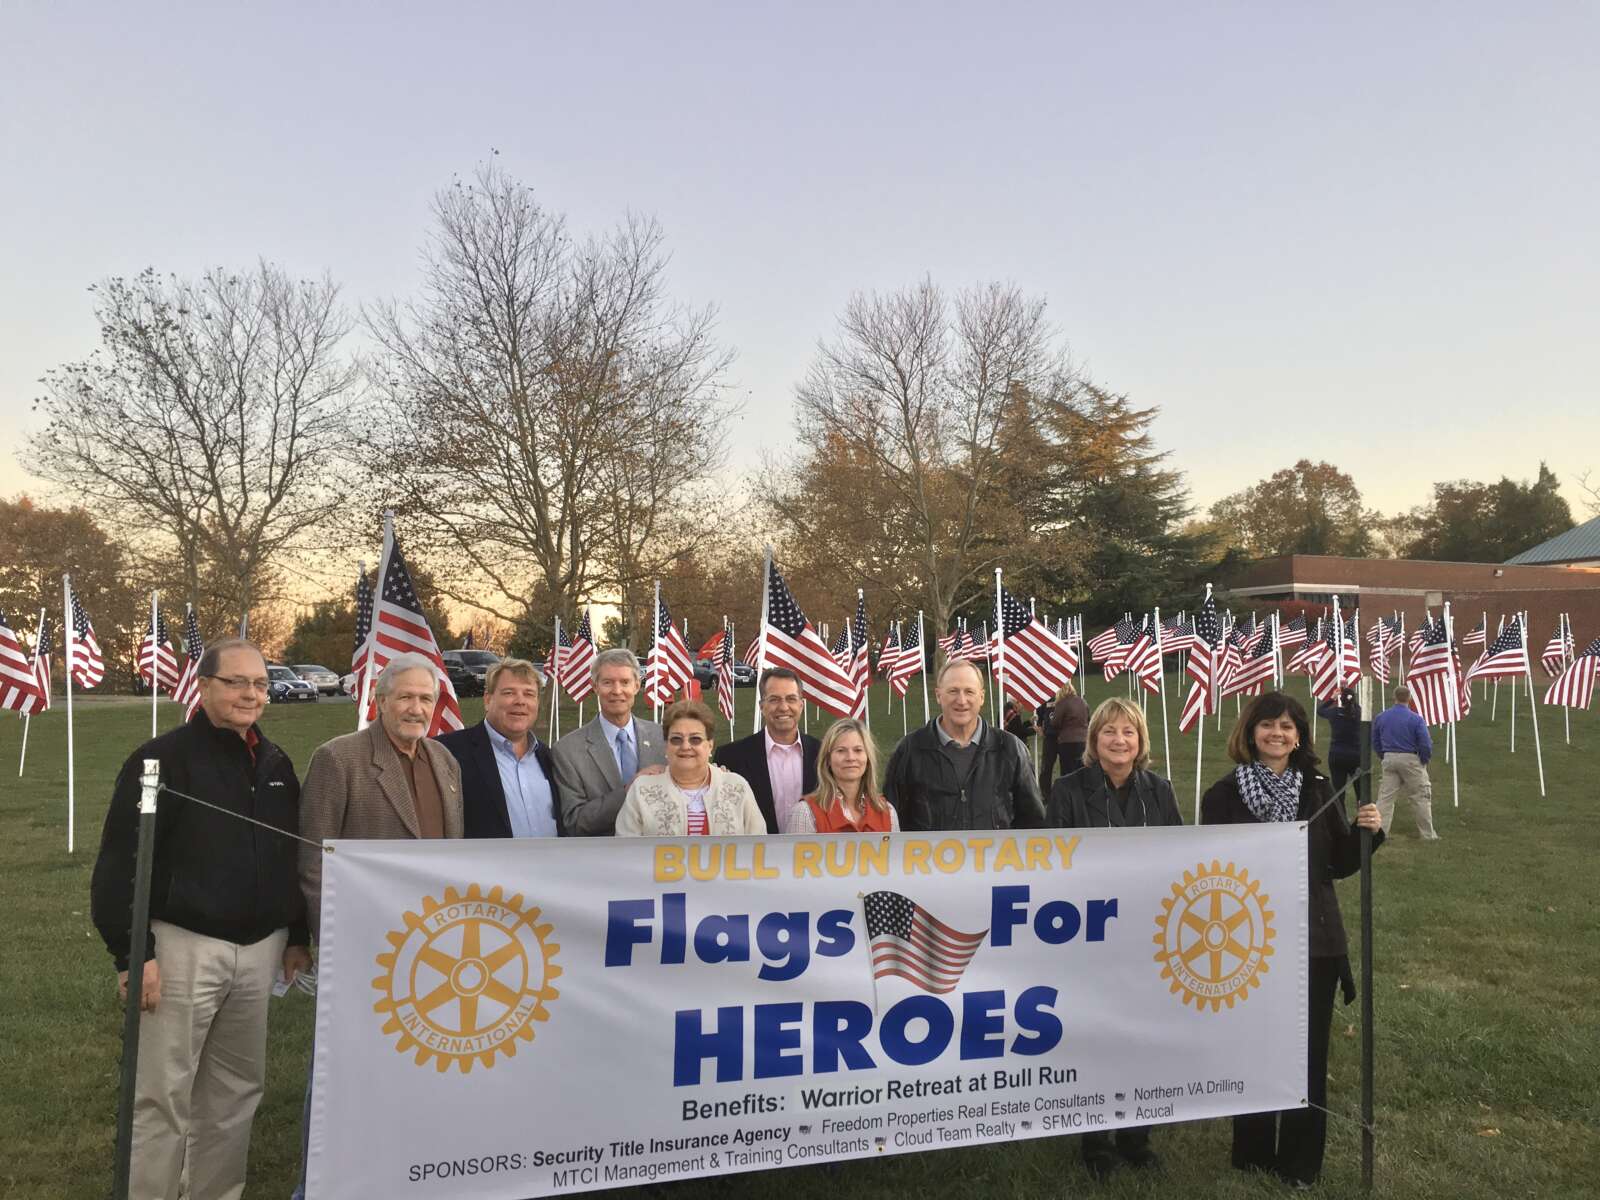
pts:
pixel 1400 738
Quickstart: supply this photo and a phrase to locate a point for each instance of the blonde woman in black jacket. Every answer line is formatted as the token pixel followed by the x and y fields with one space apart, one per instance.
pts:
pixel 1114 789
pixel 1279 779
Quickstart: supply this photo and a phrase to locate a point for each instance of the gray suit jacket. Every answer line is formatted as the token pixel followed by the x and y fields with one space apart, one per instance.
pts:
pixel 586 775
pixel 356 788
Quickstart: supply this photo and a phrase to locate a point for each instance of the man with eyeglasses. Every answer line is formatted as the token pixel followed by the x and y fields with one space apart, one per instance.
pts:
pixel 780 762
pixel 226 914
pixel 596 762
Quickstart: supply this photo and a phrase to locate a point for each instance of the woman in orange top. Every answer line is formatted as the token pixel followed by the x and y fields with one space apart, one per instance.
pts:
pixel 846 799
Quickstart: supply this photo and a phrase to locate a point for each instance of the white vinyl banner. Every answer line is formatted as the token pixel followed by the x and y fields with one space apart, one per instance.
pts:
pixel 519 1018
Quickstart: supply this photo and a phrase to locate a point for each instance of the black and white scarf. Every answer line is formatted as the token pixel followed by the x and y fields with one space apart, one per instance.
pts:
pixel 1269 797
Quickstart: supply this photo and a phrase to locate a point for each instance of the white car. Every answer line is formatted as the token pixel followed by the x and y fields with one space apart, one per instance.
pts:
pixel 324 680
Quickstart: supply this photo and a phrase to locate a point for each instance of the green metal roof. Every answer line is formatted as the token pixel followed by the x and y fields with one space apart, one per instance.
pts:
pixel 1575 545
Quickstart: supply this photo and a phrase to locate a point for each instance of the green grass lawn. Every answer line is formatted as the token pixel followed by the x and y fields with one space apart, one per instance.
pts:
pixel 1488 963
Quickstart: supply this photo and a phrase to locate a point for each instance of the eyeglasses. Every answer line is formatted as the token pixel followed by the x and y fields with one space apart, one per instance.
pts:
pixel 241 683
pixel 693 740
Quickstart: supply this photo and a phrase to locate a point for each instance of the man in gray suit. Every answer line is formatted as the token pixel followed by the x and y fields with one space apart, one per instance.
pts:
pixel 596 763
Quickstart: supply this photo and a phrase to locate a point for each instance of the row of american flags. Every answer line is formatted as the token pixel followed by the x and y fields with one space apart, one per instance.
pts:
pixel 1031 656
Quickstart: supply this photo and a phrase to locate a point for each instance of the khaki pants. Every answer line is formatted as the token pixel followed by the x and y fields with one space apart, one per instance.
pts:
pixel 1405 772
pixel 202 1064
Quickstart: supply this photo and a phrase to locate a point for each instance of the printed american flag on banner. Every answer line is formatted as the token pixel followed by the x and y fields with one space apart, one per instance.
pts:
pixel 1574 688
pixel 399 626
pixel 84 662
pixel 908 662
pixel 908 942
pixel 576 661
pixel 668 669
pixel 1205 667
pixel 1033 662
pixel 187 691
pixel 1431 674
pixel 358 655
pixel 724 661
pixel 1557 651
pixel 19 686
pixel 1252 676
pixel 158 665
pixel 792 642
pixel 1508 655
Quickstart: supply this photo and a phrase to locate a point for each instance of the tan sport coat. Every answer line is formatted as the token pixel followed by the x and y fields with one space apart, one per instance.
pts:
pixel 356 787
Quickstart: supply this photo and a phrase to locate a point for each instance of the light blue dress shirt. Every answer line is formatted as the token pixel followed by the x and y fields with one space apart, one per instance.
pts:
pixel 530 803
pixel 611 731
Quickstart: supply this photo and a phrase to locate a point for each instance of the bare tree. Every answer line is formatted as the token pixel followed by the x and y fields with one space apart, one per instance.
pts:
pixel 1591 494
pixel 542 403
pixel 205 427
pixel 904 414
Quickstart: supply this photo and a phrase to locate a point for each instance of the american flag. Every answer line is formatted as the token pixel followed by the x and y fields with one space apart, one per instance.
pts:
pixel 158 665
pixel 1205 667
pixel 41 670
pixel 841 646
pixel 790 641
pixel 358 655
pixel 668 669
pixel 1033 662
pixel 949 640
pixel 187 690
pixel 1103 643
pixel 859 667
pixel 559 645
pixel 966 646
pixel 1385 640
pixel 576 660
pixel 1508 655
pixel 1574 688
pixel 1432 677
pixel 1557 650
pixel 399 626
pixel 1479 636
pixel 1254 673
pixel 1143 661
pixel 908 662
pixel 889 652
pixel 84 663
pixel 724 661
pixel 1177 635
pixel 1115 659
pixel 19 685
pixel 908 942
pixel 1292 634
pixel 1312 648
pixel 1232 656
pixel 1327 678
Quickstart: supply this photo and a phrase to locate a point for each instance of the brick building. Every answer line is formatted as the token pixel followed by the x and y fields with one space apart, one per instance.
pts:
pixel 1385 585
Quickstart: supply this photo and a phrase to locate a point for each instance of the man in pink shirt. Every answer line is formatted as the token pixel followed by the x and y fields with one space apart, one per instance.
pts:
pixel 780 762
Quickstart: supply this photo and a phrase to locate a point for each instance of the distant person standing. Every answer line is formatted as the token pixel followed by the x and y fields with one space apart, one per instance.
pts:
pixel 1401 739
pixel 1344 746
pixel 1066 733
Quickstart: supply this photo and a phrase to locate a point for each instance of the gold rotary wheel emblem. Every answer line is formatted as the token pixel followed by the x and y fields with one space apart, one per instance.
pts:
pixel 1214 935
pixel 467 978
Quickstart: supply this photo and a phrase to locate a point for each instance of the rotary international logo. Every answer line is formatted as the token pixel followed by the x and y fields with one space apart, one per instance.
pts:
pixel 1214 936
pixel 467 978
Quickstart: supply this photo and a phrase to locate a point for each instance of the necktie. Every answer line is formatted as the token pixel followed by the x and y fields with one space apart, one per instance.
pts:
pixel 627 760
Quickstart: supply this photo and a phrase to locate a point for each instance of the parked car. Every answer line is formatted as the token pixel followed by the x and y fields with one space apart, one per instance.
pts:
pixel 705 672
pixel 467 669
pixel 285 687
pixel 324 680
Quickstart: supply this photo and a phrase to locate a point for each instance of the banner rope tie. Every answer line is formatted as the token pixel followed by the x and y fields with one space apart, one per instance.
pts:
pixel 241 817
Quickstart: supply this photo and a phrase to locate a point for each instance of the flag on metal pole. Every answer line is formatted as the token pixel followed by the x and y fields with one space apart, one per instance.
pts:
pixel 399 626
pixel 187 690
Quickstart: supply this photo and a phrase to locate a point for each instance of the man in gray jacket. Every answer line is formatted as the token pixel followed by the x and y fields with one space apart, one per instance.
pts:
pixel 957 772
pixel 596 763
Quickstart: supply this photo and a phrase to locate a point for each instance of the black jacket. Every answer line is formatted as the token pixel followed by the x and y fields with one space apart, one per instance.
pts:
pixel 1001 793
pixel 1083 800
pixel 212 874
pixel 747 758
pixel 1334 853
pixel 483 796
pixel 1344 727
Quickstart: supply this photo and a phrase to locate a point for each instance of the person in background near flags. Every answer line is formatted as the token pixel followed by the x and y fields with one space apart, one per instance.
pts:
pixel 508 786
pixel 1115 789
pixel 1401 739
pixel 1018 723
pixel 226 914
pixel 1066 734
pixel 691 797
pixel 1344 743
pixel 780 762
pixel 957 772
pixel 596 764
pixel 1277 779
pixel 846 799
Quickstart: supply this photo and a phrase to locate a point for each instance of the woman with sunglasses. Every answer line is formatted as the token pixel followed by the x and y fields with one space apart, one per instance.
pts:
pixel 691 797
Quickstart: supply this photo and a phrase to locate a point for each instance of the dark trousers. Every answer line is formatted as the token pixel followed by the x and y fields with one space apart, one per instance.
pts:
pixel 1340 768
pixel 1068 754
pixel 1291 1142
pixel 1125 1142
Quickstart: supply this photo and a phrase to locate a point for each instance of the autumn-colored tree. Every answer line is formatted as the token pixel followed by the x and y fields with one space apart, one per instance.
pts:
pixel 1309 508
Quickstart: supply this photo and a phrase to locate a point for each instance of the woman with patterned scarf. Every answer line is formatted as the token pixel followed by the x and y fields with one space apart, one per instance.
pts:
pixel 1279 779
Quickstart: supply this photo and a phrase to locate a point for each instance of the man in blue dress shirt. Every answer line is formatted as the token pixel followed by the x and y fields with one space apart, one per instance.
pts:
pixel 1400 738
pixel 508 786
